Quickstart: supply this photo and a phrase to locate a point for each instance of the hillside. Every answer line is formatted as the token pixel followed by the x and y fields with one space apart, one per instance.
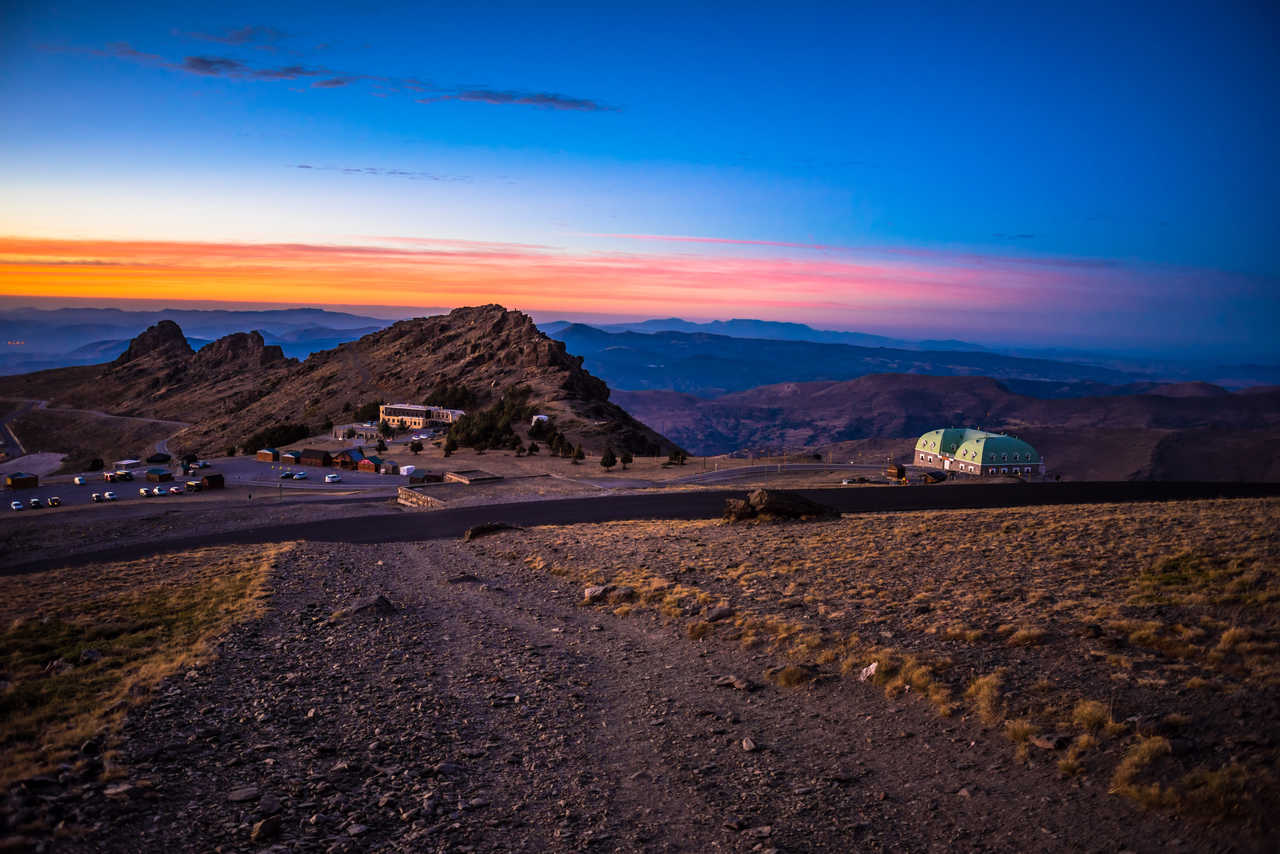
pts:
pixel 1180 432
pixel 238 384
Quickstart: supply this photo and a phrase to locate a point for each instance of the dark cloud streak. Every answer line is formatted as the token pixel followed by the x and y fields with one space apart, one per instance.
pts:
pixel 231 68
pixel 544 100
pixel 406 174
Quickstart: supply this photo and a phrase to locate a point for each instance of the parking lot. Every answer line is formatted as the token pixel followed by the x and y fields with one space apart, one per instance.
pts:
pixel 242 474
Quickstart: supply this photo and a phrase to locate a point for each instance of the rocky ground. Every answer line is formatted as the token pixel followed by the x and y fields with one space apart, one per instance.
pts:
pixel 481 708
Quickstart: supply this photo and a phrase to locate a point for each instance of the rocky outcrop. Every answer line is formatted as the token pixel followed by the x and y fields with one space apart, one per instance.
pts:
pixel 164 341
pixel 772 505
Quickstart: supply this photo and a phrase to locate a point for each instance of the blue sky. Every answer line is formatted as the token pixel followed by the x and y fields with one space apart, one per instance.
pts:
pixel 1137 137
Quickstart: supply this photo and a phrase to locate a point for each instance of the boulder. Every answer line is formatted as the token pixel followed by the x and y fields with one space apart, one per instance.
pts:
pixel 370 606
pixel 487 528
pixel 773 505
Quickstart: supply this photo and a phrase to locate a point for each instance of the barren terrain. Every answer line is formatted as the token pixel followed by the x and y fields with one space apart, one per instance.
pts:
pixel 1046 679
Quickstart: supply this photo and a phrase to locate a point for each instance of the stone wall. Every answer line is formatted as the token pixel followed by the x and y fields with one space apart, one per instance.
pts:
pixel 411 497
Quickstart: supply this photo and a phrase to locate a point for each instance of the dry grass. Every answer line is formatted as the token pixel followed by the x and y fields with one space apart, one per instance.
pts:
pixel 80 646
pixel 1086 619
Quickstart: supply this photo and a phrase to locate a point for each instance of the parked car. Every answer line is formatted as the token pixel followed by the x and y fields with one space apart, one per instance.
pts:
pixel 96 498
pixel 79 481
pixel 55 501
pixel 194 486
pixel 35 504
pixel 202 464
pixel 109 476
pixel 175 490
pixel 143 491
pixel 16 505
pixel 109 496
pixel 286 475
pixel 333 478
pixel 122 474
pixel 302 475
pixel 157 490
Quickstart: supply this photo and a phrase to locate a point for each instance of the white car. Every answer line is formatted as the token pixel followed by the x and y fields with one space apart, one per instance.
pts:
pixel 302 475
pixel 144 492
pixel 79 480
pixel 175 490
pixel 96 498
pixel 55 501
pixel 333 478
pixel 157 491
pixel 109 496
pixel 17 505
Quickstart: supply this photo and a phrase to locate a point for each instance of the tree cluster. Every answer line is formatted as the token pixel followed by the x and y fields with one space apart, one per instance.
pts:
pixel 275 436
pixel 492 427
pixel 452 396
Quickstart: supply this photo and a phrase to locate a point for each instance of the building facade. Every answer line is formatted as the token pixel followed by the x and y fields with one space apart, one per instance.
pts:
pixel 410 416
pixel 977 453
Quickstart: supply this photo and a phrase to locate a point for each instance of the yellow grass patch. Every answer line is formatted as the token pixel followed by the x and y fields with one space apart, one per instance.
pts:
pixel 81 645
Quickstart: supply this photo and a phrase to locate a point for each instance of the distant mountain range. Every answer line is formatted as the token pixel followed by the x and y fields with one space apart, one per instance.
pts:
pixel 709 365
pixel 35 339
pixel 767 329
pixel 1085 366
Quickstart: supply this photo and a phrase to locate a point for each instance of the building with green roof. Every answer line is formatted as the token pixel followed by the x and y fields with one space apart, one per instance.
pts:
pixel 977 453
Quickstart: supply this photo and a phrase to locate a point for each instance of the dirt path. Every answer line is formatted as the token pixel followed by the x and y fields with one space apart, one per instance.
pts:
pixel 490 712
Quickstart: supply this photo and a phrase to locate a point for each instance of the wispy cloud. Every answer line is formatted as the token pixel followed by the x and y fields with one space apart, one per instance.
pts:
pixel 545 100
pixel 253 35
pixel 231 67
pixel 213 66
pixel 407 174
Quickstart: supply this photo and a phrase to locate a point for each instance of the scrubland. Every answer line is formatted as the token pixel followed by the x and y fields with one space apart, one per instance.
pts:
pixel 1128 645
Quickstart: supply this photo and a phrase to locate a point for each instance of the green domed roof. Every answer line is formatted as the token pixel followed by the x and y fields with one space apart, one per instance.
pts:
pixel 977 446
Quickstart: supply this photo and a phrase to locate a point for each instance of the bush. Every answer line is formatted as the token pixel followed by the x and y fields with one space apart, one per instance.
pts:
pixel 626 459
pixel 415 447
pixel 608 459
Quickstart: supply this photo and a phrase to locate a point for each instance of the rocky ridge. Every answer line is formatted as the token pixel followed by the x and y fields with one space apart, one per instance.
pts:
pixel 238 385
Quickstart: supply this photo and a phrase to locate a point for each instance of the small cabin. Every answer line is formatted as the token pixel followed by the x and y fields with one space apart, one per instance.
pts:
pixel 159 475
pixel 21 480
pixel 268 455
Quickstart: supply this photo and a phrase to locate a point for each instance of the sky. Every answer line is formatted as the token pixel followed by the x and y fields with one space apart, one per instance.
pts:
pixel 1060 175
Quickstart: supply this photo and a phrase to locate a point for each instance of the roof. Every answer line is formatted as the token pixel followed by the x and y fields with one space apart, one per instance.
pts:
pixel 314 452
pixel 19 474
pixel 268 450
pixel 978 446
pixel 158 471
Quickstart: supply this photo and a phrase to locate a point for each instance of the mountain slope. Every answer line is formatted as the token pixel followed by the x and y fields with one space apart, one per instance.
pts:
pixel 1136 435
pixel 238 385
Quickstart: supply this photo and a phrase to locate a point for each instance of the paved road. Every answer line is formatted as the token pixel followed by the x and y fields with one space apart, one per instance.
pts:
pixel 728 475
pixel 402 526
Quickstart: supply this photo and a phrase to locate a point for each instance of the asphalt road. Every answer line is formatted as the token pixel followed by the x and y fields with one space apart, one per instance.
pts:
pixel 409 526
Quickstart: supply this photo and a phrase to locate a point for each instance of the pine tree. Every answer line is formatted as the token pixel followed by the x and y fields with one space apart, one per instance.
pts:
pixel 626 459
pixel 450 445
pixel 608 460
pixel 578 454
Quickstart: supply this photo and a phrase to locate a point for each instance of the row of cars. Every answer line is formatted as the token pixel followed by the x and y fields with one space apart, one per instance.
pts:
pixel 288 474
pixel 36 503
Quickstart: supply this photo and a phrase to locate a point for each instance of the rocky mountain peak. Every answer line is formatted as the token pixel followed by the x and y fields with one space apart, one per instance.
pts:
pixel 164 338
